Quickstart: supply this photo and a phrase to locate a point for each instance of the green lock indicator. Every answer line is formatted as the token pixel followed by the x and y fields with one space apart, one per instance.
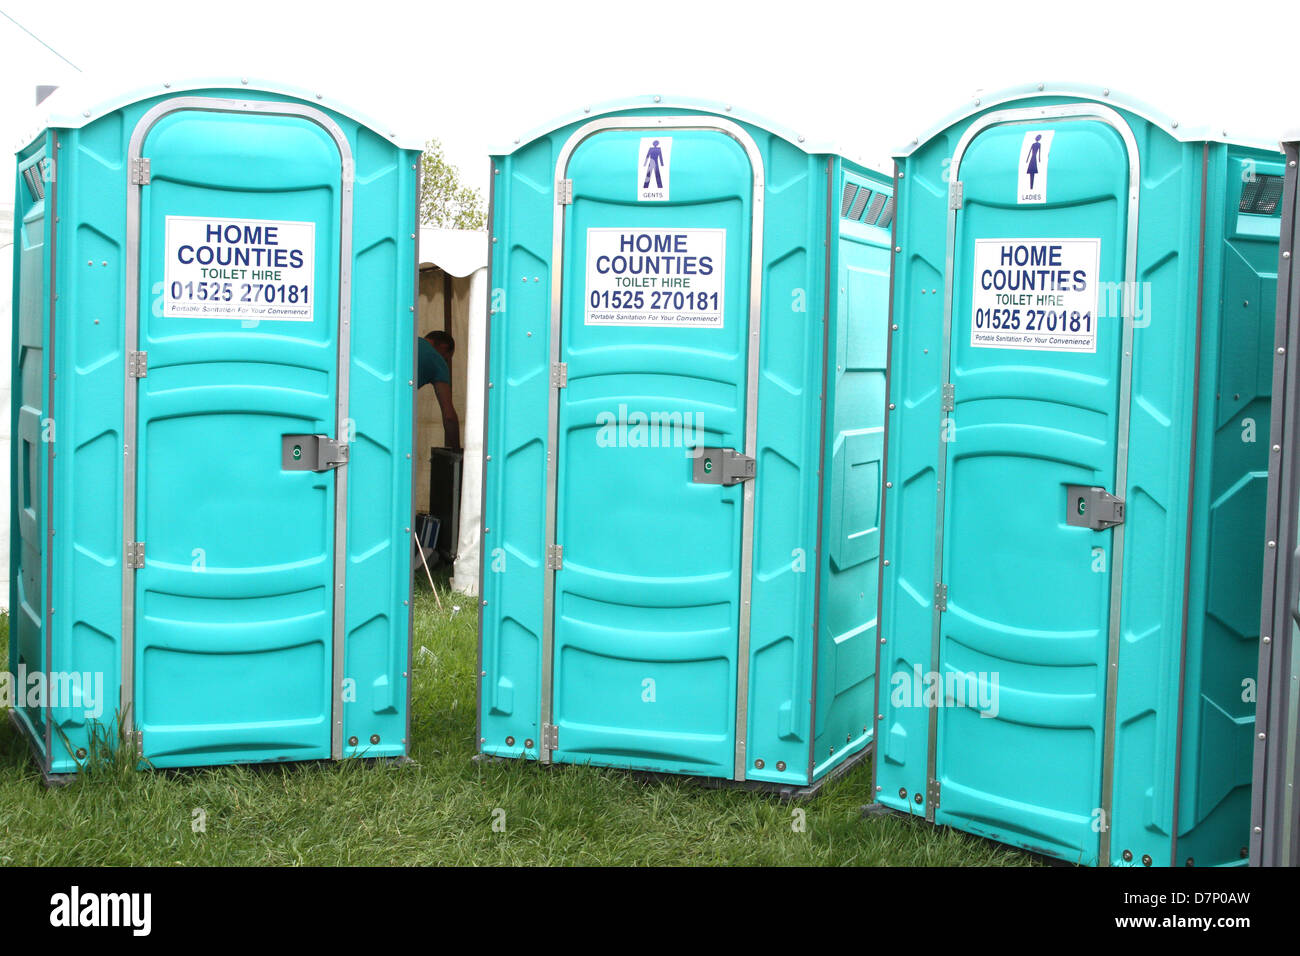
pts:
pixel 708 466
pixel 297 452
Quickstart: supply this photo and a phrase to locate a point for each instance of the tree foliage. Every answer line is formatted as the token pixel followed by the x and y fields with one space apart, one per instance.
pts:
pixel 445 201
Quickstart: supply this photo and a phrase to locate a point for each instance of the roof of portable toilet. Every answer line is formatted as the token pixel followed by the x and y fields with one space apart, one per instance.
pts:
pixel 651 101
pixel 1100 94
pixel 82 102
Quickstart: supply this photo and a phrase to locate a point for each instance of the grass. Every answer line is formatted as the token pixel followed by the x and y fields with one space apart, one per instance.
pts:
pixel 441 808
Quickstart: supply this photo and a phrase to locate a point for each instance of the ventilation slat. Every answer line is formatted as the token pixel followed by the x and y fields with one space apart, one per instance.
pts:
pixel 1270 194
pixel 873 213
pixel 35 180
pixel 1248 193
pixel 859 203
pixel 847 200
pixel 887 214
pixel 1261 196
pixel 868 206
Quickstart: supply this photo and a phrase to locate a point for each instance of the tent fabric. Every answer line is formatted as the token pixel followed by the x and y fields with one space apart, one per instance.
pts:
pixel 468 548
pixel 454 251
pixel 464 255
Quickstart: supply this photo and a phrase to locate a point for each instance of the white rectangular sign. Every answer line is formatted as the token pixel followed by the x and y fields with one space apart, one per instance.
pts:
pixel 1036 294
pixel 653 169
pixel 667 277
pixel 1031 184
pixel 250 269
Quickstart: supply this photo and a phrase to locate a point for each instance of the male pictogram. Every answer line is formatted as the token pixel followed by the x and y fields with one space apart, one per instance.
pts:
pixel 654 159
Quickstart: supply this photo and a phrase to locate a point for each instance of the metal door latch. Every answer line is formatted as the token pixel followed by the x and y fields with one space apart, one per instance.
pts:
pixel 312 453
pixel 722 466
pixel 1087 506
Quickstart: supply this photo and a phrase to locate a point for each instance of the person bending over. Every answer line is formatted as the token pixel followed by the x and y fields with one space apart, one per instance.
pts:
pixel 436 350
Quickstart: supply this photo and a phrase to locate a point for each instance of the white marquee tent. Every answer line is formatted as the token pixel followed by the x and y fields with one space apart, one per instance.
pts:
pixel 454 296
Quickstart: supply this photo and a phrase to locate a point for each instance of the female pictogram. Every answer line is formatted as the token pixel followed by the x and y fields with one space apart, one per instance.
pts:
pixel 1031 161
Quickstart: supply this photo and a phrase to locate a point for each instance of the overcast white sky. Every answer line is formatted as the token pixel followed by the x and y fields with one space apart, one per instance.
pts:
pixel 868 76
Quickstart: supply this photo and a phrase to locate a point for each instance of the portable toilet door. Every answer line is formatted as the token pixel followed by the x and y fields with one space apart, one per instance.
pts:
pixel 214 355
pixel 1274 831
pixel 679 548
pixel 1075 476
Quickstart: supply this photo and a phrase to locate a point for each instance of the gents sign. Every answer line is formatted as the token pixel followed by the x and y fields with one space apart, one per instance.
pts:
pixel 654 169
pixel 1035 294
pixel 254 269
pixel 656 277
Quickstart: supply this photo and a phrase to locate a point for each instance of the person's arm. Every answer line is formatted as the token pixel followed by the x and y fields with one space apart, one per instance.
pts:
pixel 450 420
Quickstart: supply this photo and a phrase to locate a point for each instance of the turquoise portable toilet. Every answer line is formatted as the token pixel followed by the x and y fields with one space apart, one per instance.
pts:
pixel 682 454
pixel 213 365
pixel 1076 460
pixel 1275 812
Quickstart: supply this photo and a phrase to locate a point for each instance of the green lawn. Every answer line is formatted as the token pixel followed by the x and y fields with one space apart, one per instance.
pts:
pixel 441 808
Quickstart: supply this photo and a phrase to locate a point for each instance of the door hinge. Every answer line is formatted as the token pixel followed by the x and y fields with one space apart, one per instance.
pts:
pixel 932 794
pixel 949 398
pixel 554 557
pixel 954 194
pixel 564 192
pixel 137 364
pixel 550 737
pixel 135 554
pixel 138 735
pixel 560 375
pixel 140 171
pixel 941 597
pixel 1087 506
